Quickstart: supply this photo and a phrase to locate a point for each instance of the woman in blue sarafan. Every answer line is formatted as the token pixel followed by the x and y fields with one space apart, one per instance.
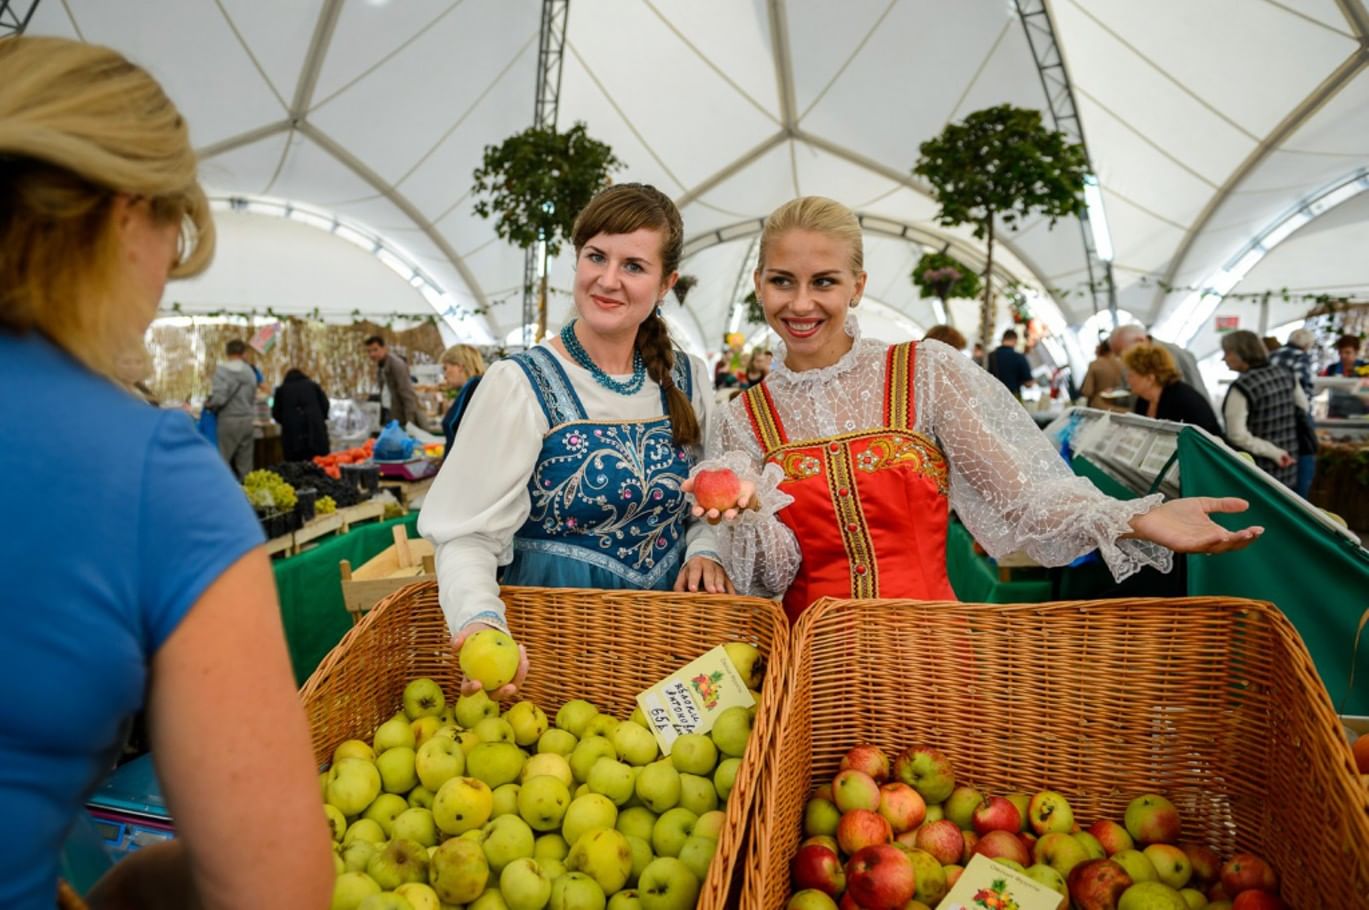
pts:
pixel 566 468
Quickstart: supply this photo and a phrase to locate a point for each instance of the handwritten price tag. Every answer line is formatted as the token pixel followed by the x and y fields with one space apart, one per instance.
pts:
pixel 690 699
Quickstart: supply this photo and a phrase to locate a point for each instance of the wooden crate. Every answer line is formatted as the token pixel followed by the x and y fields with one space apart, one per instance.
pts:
pixel 402 563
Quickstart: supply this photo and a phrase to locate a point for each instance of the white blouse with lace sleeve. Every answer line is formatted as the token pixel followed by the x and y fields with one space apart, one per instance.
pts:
pixel 1007 483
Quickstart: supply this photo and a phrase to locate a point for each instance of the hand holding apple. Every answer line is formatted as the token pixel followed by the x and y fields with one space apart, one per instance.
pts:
pixel 720 495
pixel 497 667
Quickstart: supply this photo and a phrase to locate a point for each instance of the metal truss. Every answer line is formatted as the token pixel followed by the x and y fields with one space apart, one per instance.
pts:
pixel 14 18
pixel 551 46
pixel 1055 82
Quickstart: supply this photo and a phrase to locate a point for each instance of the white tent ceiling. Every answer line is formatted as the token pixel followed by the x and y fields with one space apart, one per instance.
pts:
pixel 1204 120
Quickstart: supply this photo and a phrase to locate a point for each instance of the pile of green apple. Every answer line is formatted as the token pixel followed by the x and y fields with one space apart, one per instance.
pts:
pixel 460 805
pixel 896 835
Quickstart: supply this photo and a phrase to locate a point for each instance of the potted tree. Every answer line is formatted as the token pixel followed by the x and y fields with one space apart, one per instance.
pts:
pixel 1001 164
pixel 534 183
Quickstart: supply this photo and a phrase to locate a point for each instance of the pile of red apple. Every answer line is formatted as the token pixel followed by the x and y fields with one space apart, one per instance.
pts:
pixel 896 835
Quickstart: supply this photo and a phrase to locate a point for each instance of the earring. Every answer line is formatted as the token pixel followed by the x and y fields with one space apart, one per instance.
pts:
pixel 854 303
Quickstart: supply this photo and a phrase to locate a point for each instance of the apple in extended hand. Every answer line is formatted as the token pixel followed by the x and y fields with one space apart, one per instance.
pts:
pixel 491 658
pixel 880 877
pixel 717 489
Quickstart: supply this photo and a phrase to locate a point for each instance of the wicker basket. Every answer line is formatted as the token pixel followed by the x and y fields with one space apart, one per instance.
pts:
pixel 606 646
pixel 1211 702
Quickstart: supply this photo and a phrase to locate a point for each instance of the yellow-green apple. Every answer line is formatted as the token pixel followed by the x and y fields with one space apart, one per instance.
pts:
pixel 472 709
pixel 588 751
pixel 935 812
pixel 467 740
pixel 458 871
pixel 1248 872
pixel 586 813
pixel 353 784
pixel 901 806
pixel 421 797
pixel 1151 896
pixel 1152 819
pixel 1206 864
pixel 605 856
pixel 697 794
pixel 861 828
pixel 528 722
pixel 1023 803
pixel 357 854
pixel 400 861
pixel 1097 884
pixel 548 763
pixel 393 734
pixel 602 725
pixel 823 791
pixel 494 730
pixel 748 660
pixel 667 884
pixel 1171 864
pixel 953 873
pixel 627 899
pixel 1137 864
pixel 731 730
pixel 367 829
pixel 971 839
pixel 718 489
pixel 960 805
pixel 559 741
pixel 638 718
pixel 423 698
pixel 490 657
pixel 725 777
pixel 927 771
pixel 1258 900
pixel 495 763
pixel 350 889
pixel 575 715
pixel 419 895
pixel 1059 851
pixel 942 839
pixel 710 824
pixel 1092 849
pixel 463 804
pixel 825 840
pixel 697 854
pixel 507 838
pixel 550 846
pixel 855 790
pixel 542 802
pixel 694 753
pixel 1111 835
pixel 641 856
pixel 353 748
pixel 880 877
pixel 613 779
pixel 1045 875
pixel 416 825
pixel 995 814
pixel 397 769
pixel 425 728
pixel 386 900
pixel 525 885
pixel 637 821
pixel 814 866
pixel 931 884
pixel 505 800
pixel 337 822
pixel 492 899
pixel 1050 812
pixel 1195 899
pixel 867 759
pixel 671 830
pixel 576 891
pixel 1003 845
pixel 1012 864
pixel 810 899
pixel 636 746
pixel 658 786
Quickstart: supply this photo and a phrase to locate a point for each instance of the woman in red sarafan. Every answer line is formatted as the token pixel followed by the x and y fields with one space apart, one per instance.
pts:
pixel 852 451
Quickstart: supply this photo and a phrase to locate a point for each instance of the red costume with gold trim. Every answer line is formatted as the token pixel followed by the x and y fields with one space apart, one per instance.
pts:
pixel 870 508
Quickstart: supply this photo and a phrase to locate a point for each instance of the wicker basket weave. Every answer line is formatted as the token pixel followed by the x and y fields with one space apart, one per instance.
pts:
pixel 1211 702
pixel 605 646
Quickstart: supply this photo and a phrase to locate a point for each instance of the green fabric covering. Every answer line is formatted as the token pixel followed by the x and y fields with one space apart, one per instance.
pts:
pixel 1315 576
pixel 1103 481
pixel 975 577
pixel 310 590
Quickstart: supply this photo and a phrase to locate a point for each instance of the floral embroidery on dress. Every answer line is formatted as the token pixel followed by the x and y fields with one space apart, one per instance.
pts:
pixel 916 451
pixel 800 466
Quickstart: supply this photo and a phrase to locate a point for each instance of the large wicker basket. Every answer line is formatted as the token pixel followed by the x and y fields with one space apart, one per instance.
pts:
pixel 1212 702
pixel 605 646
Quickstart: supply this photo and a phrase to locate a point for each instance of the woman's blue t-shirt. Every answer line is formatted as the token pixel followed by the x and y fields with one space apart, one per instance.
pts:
pixel 120 516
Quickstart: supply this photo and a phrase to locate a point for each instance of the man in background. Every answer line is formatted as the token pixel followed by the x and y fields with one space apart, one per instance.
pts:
pixel 1126 336
pixel 398 400
pixel 233 399
pixel 1009 366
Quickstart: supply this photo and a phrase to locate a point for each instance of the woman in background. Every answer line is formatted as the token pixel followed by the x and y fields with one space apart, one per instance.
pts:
pixel 1161 392
pixel 1261 407
pixel 462 366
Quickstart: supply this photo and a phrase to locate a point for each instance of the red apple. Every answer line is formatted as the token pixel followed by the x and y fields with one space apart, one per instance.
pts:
pixel 1258 900
pixel 1097 884
pixel 1247 872
pixel 995 814
pixel 1152 819
pixel 953 873
pixel 1003 845
pixel 824 840
pixel 848 902
pixel 862 828
pixel 718 489
pixel 867 759
pixel 901 805
pixel 817 867
pixel 1111 835
pixel 927 771
pixel 1207 865
pixel 823 792
pixel 855 790
pixel 880 877
pixel 971 839
pixel 1215 892
pixel 942 839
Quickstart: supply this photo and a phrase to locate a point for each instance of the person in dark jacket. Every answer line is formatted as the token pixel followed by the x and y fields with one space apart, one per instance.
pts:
pixel 462 367
pixel 301 409
pixel 1009 366
pixel 1160 391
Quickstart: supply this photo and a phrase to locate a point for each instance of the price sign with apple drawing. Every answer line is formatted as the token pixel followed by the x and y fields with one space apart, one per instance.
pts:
pixel 691 699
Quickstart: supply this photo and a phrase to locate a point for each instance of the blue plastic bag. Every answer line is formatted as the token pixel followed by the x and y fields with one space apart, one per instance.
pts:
pixel 393 444
pixel 208 425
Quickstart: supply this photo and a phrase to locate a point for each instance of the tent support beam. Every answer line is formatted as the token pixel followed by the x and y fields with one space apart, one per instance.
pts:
pixel 1358 17
pixel 247 138
pixel 551 53
pixel 12 21
pixel 313 60
pixel 711 182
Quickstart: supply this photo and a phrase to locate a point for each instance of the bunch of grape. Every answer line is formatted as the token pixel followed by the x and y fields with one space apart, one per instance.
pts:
pixel 268 491
pixel 325 505
pixel 304 474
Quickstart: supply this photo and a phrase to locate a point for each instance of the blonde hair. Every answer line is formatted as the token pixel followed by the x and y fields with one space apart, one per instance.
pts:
pixel 79 126
pixel 1153 361
pixel 465 356
pixel 818 214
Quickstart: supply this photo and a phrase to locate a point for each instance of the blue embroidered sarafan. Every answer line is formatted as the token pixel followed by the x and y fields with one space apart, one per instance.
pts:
pixel 607 509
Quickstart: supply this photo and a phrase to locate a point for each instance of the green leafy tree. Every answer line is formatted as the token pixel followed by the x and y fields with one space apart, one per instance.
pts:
pixel 1001 164
pixel 534 183
pixel 939 274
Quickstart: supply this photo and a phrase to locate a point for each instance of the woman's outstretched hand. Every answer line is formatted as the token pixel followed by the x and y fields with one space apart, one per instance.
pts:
pixel 746 499
pixel 471 686
pixel 1185 525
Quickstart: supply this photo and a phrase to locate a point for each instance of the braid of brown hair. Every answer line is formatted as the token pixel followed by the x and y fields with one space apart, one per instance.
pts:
pixel 653 343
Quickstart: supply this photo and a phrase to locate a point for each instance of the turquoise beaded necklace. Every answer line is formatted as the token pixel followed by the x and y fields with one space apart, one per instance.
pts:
pixel 630 386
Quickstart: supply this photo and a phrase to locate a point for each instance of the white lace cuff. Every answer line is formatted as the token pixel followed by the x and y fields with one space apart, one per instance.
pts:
pixel 1125 557
pixel 757 550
